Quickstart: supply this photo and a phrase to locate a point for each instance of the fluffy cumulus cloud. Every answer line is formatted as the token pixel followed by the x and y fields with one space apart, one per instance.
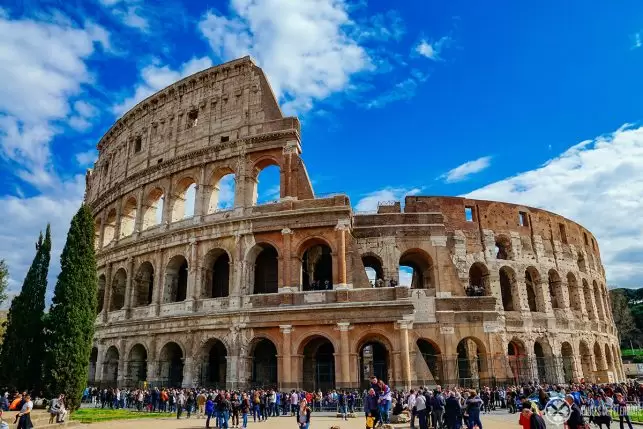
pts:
pixel 307 48
pixel 156 77
pixel 128 12
pixel 464 171
pixel 597 183
pixel 370 201
pixel 403 90
pixel 433 50
pixel 48 67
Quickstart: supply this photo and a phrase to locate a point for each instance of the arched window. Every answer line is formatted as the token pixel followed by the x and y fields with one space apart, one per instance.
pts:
pixel 373 267
pixel 420 265
pixel 110 227
pixel 267 189
pixel 318 365
pixel 503 248
pixel 171 365
pixel 137 368
pixel 508 289
pixel 555 289
pixel 264 363
pixel 532 282
pixel 214 356
pixel 264 260
pixel 184 199
pixel 176 279
pixel 573 291
pixel 110 366
pixel 153 208
pixel 143 285
pixel 567 353
pixel 478 280
pixel 222 191
pixel 582 266
pixel 518 361
pixel 317 266
pixel 217 274
pixel 128 217
pixel 118 290
pixel 598 298
pixel 587 293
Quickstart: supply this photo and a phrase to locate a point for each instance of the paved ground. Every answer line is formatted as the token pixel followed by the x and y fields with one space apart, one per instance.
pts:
pixel 499 420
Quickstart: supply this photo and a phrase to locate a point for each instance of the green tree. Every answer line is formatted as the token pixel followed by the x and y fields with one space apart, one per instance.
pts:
pixel 23 346
pixel 4 280
pixel 70 322
pixel 623 319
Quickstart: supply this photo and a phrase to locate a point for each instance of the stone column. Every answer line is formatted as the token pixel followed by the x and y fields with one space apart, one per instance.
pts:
pixel 344 354
pixel 287 286
pixel 138 222
pixel 107 296
pixel 342 226
pixel 168 200
pixel 287 375
pixel 405 325
pixel 100 355
pixel 128 288
pixel 159 283
pixel 187 372
pixel 199 198
pixel 193 262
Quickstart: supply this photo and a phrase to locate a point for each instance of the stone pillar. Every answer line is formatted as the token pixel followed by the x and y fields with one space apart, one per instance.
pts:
pixel 286 374
pixel 188 372
pixel 138 222
pixel 287 283
pixel 193 262
pixel 100 355
pixel 128 288
pixel 168 200
pixel 159 283
pixel 119 218
pixel 199 199
pixel 341 228
pixel 344 354
pixel 405 325
pixel 107 296
pixel 472 356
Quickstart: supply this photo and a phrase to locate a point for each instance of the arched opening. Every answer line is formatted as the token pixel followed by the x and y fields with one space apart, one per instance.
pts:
pixel 97 225
pixel 128 217
pixel 567 353
pixel 373 267
pixel 267 188
pixel 598 358
pixel 421 265
pixel 264 363
pixel 478 280
pixel 110 366
pixel 432 358
pixel 110 227
pixel 503 248
pixel 214 364
pixel 317 266
pixel 143 285
pixel 153 208
pixel 176 279
pixel 93 360
pixel 555 290
pixel 266 269
pixel 470 362
pixel 184 199
pixel 518 361
pixel 217 274
pixel 171 365
pixel 532 282
pixel 589 307
pixel 582 265
pixel 586 361
pixel 599 301
pixel 573 292
pixel 102 282
pixel 119 283
pixel 222 191
pixel 541 362
pixel 374 361
pixel 137 371
pixel 319 365
pixel 510 302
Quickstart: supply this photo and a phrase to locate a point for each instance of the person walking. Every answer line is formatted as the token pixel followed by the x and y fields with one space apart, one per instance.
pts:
pixel 621 407
pixel 452 412
pixel 473 404
pixel 303 415
pixel 209 410
pixel 420 409
pixel 24 416
pixel 245 409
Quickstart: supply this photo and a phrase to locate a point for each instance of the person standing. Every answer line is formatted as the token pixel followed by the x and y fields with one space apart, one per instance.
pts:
pixel 420 409
pixel 245 409
pixel 452 412
pixel 180 403
pixel 208 408
pixel 621 407
pixel 303 415
pixel 474 403
pixel 411 406
pixel 437 409
pixel 24 416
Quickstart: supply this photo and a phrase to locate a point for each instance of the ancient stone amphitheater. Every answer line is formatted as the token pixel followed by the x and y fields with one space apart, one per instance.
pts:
pixel 277 294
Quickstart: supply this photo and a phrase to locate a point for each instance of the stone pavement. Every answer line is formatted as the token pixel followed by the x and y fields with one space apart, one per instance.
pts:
pixel 319 421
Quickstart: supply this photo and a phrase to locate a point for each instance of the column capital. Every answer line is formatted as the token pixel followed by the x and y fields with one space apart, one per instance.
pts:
pixel 285 329
pixel 404 324
pixel 286 231
pixel 344 326
pixel 343 225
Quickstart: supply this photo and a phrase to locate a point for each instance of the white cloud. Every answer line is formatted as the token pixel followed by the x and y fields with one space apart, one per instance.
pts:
pixel 636 40
pixel 305 47
pixel 369 202
pixel 128 12
pixel 404 90
pixel 381 27
pixel 47 59
pixel 87 159
pixel 463 171
pixel 432 50
pixel 155 78
pixel 598 184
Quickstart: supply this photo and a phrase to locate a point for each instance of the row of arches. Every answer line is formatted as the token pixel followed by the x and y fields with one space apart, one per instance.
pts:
pixel 415 270
pixel 562 295
pixel 218 194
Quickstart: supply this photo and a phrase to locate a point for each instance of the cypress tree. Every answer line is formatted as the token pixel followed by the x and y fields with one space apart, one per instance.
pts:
pixel 23 346
pixel 70 322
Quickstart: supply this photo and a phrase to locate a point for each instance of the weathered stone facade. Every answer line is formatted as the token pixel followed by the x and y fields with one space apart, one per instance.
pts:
pixel 499 292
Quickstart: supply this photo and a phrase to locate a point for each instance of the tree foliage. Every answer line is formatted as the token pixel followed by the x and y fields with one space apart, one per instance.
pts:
pixel 70 322
pixel 23 343
pixel 627 309
pixel 4 280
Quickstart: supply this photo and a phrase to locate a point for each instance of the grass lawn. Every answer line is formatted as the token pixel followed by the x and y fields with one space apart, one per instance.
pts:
pixel 95 415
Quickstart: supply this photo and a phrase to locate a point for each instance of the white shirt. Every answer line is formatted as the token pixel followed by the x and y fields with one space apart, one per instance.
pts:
pixel 26 406
pixel 420 403
pixel 294 399
pixel 411 402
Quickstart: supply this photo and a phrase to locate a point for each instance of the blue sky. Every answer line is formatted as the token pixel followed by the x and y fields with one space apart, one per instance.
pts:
pixel 530 103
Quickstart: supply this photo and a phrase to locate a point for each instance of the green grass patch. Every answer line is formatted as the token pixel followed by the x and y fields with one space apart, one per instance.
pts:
pixel 635 416
pixel 95 415
pixel 631 352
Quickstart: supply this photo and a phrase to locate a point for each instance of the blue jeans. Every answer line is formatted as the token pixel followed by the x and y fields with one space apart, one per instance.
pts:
pixel 255 413
pixel 245 420
pixel 384 409
pixel 225 416
pixel 207 422
pixel 474 418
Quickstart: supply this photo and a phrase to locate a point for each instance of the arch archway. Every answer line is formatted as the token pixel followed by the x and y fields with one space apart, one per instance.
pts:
pixel 222 190
pixel 128 217
pixel 432 357
pixel 543 364
pixel 555 289
pixel 518 361
pixel 421 266
pixel 478 280
pixel 582 265
pixel 587 294
pixel 110 366
pixel 374 267
pixel 318 365
pixel 153 208
pixel 214 356
pixel 317 266
pixel 509 289
pixel 567 353
pixel 599 301
pixel 263 258
pixel 573 292
pixel 264 363
pixel 503 248
pixel 171 365
pixel 176 279
pixel 534 297
pixel 93 360
pixel 137 368
pixel 217 274
pixel 183 199
pixel 374 359
pixel 143 285
pixel 267 185
pixel 119 283
pixel 470 362
pixel 102 282
pixel 109 229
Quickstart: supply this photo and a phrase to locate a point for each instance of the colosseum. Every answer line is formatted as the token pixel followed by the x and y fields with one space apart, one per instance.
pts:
pixel 303 292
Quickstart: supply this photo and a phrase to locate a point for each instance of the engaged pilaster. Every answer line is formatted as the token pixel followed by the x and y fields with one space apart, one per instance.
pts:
pixel 344 354
pixel 286 377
